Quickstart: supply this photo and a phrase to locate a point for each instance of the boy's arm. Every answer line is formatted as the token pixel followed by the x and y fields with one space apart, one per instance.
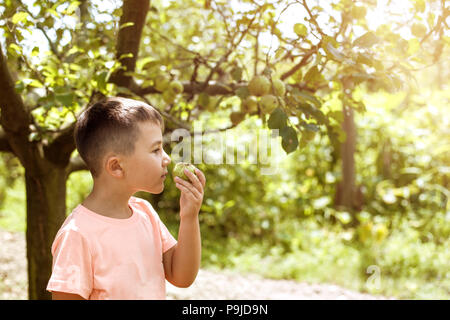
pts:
pixel 56 295
pixel 182 262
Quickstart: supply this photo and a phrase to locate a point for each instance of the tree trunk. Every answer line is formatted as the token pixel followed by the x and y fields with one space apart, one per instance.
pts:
pixel 348 195
pixel 129 38
pixel 348 159
pixel 46 208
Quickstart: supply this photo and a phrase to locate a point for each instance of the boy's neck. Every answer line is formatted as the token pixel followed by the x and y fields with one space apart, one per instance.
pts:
pixel 108 206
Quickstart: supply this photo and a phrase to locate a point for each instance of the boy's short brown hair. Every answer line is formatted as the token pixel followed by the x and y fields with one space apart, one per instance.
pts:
pixel 111 125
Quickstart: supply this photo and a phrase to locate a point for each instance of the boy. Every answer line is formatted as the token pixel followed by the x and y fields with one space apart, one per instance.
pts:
pixel 113 245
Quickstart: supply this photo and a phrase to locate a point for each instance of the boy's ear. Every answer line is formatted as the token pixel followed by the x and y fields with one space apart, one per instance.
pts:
pixel 113 166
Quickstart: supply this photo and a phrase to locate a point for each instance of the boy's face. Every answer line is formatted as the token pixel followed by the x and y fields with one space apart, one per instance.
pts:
pixel 145 168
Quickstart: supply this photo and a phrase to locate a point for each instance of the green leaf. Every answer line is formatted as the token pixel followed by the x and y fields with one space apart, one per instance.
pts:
pixel 300 30
pixel 279 52
pixel 33 83
pixel 19 17
pixel 236 74
pixel 364 58
pixel 359 77
pixel 341 135
pixel 19 86
pixel 418 30
pixel 367 40
pixel 313 76
pixel 242 92
pixel 203 100
pixel 72 7
pixel 35 52
pixel 144 63
pixel 344 217
pixel 338 115
pixel 358 12
pixel 419 5
pixel 304 96
pixel 66 99
pixel 277 119
pixel 53 12
pixel 33 136
pixel 14 49
pixel 289 140
pixel 74 67
pixel 310 127
pixel 333 53
pixel 101 80
pixel 127 24
pixel 126 55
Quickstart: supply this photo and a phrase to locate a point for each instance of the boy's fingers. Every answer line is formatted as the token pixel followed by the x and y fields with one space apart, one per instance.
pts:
pixel 184 189
pixel 201 177
pixel 194 179
pixel 188 186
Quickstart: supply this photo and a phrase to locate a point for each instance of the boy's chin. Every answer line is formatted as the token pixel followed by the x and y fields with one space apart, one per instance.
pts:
pixel 156 190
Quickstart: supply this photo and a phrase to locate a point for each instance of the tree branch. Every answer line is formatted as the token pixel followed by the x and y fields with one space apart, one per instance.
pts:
pixel 14 118
pixel 40 27
pixel 212 88
pixel 302 62
pixel 62 145
pixel 76 164
pixel 128 40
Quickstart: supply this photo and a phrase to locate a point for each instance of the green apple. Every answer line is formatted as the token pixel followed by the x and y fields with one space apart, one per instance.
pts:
pixel 249 105
pixel 268 103
pixel 161 81
pixel 237 117
pixel 278 87
pixel 178 170
pixel 169 96
pixel 259 86
pixel 176 87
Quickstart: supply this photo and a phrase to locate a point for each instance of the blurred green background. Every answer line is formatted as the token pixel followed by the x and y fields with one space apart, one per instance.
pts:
pixel 387 61
pixel 285 225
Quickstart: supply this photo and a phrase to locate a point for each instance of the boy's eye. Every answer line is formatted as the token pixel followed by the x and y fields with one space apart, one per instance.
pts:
pixel 156 150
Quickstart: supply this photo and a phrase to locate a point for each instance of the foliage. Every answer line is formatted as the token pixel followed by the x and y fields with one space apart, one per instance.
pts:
pixel 62 55
pixel 335 49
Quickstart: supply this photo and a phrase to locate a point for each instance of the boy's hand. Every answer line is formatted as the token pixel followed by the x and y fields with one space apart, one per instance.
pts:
pixel 191 193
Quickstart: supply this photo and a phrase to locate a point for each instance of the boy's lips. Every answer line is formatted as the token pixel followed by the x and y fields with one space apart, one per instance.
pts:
pixel 164 175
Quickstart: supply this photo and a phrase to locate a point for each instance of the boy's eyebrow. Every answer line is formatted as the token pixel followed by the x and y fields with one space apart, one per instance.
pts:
pixel 156 143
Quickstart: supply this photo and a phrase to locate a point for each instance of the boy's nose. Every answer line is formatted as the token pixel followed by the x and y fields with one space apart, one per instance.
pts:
pixel 167 159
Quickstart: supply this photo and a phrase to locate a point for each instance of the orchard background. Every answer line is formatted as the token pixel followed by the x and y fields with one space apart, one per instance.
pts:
pixel 359 91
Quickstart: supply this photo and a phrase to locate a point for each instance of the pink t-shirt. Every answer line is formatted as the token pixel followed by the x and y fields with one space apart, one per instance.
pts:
pixel 98 257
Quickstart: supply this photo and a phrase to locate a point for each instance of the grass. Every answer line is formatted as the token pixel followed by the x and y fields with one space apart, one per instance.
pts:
pixel 13 208
pixel 332 260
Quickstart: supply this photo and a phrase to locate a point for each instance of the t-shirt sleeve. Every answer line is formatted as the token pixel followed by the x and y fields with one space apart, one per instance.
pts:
pixel 72 264
pixel 167 240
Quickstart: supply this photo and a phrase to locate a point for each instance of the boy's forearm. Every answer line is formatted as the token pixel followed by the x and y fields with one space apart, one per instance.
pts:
pixel 187 255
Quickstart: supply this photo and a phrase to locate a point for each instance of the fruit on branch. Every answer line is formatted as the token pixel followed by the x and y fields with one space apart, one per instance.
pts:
pixel 278 87
pixel 249 105
pixel 178 170
pixel 176 87
pixel 169 96
pixel 161 81
pixel 268 103
pixel 237 117
pixel 259 86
